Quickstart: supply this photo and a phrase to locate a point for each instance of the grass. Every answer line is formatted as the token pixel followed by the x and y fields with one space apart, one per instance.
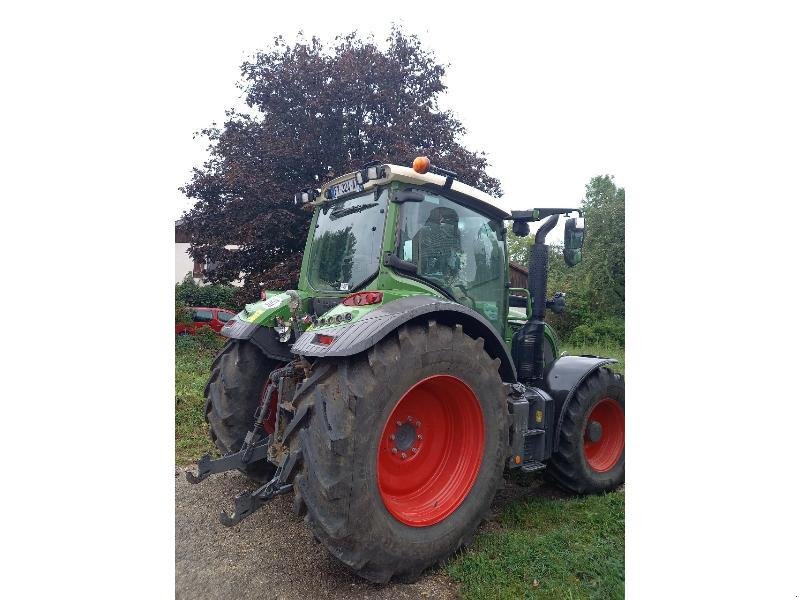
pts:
pixel 539 547
pixel 193 359
pixel 549 548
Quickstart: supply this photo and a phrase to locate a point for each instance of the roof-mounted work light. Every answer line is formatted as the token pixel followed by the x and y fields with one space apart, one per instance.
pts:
pixel 369 172
pixel 305 196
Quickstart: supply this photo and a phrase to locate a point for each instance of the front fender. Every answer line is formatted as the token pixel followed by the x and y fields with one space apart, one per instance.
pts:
pixel 352 338
pixel 255 323
pixel 562 378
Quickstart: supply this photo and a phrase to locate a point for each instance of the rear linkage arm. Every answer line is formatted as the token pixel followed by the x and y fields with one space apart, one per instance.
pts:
pixel 254 449
pixel 246 503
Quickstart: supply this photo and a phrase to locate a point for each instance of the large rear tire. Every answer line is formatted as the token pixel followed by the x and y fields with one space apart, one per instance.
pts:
pixel 403 449
pixel 590 457
pixel 233 392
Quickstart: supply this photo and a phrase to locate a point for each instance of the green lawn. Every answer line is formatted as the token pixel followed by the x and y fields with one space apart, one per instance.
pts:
pixel 192 366
pixel 548 547
pixel 542 545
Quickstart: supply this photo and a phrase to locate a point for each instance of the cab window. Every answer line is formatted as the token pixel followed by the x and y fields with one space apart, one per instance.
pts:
pixel 457 249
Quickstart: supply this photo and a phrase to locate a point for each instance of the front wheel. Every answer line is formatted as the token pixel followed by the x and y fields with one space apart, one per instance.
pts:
pixel 403 450
pixel 590 456
pixel 239 376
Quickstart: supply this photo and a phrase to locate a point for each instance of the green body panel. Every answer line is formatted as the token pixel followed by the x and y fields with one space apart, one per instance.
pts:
pixel 393 284
pixel 266 312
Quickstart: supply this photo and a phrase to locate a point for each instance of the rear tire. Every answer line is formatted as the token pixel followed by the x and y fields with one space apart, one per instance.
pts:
pixel 350 413
pixel 233 392
pixel 590 457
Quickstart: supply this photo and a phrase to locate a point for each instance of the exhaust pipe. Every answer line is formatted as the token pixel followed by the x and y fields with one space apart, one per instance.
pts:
pixel 528 343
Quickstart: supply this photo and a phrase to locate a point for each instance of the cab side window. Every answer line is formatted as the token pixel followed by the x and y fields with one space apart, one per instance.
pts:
pixel 457 249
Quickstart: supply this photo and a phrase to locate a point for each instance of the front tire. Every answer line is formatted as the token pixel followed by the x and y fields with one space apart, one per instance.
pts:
pixel 238 377
pixel 431 393
pixel 590 457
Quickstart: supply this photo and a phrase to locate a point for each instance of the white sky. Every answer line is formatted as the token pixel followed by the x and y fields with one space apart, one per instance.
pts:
pixel 692 105
pixel 544 109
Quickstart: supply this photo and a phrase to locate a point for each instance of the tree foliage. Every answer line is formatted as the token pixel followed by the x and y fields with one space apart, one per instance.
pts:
pixel 596 287
pixel 314 111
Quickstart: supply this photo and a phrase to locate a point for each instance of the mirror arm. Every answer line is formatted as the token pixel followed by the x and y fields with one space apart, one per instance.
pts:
pixel 540 213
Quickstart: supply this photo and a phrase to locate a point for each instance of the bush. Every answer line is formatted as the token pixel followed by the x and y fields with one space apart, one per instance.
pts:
pixel 208 339
pixel 188 293
pixel 183 316
pixel 608 330
pixel 204 339
pixel 186 342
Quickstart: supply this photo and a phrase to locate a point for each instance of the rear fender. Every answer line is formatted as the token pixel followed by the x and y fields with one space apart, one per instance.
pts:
pixel 358 336
pixel 562 378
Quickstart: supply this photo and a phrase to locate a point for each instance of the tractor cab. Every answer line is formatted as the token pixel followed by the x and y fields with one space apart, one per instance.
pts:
pixel 413 231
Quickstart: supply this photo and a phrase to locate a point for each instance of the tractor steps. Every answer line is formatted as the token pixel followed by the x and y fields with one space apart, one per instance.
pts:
pixel 531 466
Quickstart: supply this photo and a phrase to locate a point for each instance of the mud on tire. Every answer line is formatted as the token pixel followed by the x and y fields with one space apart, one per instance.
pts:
pixel 344 412
pixel 233 392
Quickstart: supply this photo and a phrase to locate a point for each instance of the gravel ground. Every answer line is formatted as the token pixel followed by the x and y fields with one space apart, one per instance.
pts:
pixel 271 554
pixel 268 555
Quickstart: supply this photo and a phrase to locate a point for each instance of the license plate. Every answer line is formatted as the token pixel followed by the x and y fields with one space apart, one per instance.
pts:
pixel 345 187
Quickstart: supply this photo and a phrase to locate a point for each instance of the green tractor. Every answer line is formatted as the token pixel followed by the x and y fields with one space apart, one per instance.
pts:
pixel 393 388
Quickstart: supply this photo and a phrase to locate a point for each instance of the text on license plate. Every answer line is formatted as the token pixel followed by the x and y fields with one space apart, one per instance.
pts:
pixel 345 187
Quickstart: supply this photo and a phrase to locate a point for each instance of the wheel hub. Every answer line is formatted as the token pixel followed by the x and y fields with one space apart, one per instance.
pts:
pixel 604 435
pixel 594 431
pixel 406 435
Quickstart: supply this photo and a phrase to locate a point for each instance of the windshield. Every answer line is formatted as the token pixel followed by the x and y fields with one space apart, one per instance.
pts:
pixel 346 248
pixel 457 249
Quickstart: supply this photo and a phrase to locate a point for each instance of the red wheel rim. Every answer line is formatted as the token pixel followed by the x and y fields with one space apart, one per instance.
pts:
pixel 430 451
pixel 604 435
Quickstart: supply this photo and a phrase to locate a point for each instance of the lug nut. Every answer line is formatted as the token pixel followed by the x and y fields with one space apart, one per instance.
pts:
pixel 391 437
pixel 398 423
pixel 419 424
pixel 419 436
pixel 414 450
pixel 410 419
pixel 394 450
pixel 403 455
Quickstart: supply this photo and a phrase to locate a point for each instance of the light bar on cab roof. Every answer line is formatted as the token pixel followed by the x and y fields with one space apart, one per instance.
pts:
pixel 370 171
pixel 306 196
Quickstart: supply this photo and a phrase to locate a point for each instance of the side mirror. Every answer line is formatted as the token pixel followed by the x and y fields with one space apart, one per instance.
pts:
pixel 573 241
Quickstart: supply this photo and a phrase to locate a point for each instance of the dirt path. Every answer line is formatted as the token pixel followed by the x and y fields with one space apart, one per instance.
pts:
pixel 269 555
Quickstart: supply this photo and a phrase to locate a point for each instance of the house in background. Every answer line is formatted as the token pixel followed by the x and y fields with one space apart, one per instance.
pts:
pixel 519 275
pixel 185 264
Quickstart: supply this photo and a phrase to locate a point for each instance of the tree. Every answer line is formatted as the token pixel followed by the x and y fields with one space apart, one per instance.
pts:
pixel 314 111
pixel 596 287
pixel 519 248
pixel 604 259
